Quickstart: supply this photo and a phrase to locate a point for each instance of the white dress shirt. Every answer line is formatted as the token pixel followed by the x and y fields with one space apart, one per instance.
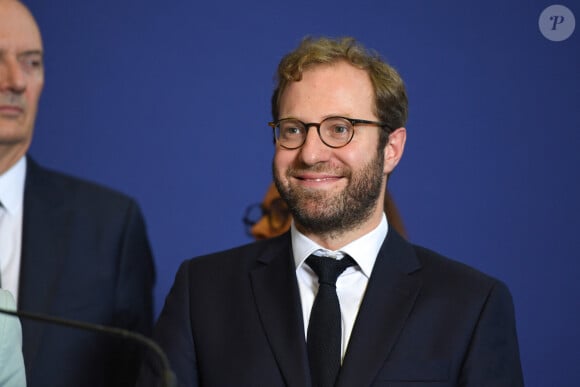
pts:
pixel 12 198
pixel 350 285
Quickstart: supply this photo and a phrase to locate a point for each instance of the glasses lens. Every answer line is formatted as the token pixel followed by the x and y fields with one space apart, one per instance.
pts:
pixel 290 133
pixel 336 131
pixel 279 214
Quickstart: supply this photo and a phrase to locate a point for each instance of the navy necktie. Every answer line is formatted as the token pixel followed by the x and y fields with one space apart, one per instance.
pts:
pixel 324 328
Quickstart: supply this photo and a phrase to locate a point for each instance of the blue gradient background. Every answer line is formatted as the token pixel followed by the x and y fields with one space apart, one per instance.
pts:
pixel 168 102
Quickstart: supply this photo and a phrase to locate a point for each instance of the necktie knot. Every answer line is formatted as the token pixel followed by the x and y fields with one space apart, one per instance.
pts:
pixel 328 269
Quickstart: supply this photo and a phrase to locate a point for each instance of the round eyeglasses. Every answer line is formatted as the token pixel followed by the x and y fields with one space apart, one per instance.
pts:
pixel 277 213
pixel 334 132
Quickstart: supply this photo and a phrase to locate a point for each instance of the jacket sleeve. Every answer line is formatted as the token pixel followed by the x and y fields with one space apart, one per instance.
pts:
pixel 173 333
pixel 133 309
pixel 493 357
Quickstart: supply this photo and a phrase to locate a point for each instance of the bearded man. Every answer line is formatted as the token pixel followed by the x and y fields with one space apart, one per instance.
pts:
pixel 341 299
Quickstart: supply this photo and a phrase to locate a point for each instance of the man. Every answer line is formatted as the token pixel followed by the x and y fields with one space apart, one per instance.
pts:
pixel 259 315
pixel 11 363
pixel 68 248
pixel 272 217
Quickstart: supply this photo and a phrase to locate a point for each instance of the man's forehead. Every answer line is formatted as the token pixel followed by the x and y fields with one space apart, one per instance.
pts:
pixel 18 29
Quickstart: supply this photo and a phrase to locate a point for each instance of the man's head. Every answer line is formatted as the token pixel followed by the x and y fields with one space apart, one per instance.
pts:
pixel 335 188
pixel 390 97
pixel 21 80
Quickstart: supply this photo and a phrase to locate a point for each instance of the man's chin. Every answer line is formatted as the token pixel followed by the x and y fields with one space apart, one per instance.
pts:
pixel 9 136
pixel 312 212
pixel 316 193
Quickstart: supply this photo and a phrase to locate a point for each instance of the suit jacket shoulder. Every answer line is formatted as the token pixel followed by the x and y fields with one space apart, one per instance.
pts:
pixel 238 310
pixel 427 318
pixel 247 256
pixel 61 189
pixel 459 274
pixel 85 256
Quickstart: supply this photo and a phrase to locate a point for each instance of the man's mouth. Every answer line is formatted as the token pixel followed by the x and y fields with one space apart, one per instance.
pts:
pixel 11 110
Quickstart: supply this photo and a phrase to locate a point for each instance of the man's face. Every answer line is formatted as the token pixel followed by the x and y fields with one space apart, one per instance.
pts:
pixel 21 76
pixel 332 190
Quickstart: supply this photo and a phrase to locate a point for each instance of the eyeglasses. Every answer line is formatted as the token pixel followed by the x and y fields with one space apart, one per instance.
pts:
pixel 334 132
pixel 278 215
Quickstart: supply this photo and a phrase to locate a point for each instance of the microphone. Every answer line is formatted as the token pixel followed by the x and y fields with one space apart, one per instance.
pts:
pixel 168 376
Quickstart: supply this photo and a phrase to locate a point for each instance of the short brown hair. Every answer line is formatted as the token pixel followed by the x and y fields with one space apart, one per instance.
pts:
pixel 391 105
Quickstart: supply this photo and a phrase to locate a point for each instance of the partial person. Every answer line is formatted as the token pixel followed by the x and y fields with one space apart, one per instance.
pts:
pixel 272 217
pixel 11 362
pixel 68 248
pixel 341 299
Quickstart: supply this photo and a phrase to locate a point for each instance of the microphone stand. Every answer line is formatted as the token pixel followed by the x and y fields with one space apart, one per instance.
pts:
pixel 168 376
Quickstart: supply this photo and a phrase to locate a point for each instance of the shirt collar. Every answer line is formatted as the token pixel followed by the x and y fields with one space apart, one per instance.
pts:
pixel 12 186
pixel 363 250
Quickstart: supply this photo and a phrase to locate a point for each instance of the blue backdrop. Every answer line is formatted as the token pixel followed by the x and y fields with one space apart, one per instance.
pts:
pixel 168 102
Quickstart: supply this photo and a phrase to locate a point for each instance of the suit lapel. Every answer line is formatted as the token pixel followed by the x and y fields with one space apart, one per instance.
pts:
pixel 42 255
pixel 388 300
pixel 277 299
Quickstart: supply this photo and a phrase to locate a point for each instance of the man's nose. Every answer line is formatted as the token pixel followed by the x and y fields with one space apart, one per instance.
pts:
pixel 11 76
pixel 314 150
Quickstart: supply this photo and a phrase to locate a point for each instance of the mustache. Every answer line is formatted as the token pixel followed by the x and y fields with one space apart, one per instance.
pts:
pixel 315 168
pixel 318 168
pixel 12 99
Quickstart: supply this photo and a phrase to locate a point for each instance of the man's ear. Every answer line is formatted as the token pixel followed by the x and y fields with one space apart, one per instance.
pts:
pixel 394 149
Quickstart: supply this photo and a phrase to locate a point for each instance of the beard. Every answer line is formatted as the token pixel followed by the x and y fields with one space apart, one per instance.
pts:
pixel 329 213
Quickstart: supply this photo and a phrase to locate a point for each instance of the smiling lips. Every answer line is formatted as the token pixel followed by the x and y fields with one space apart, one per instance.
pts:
pixel 316 179
pixel 322 178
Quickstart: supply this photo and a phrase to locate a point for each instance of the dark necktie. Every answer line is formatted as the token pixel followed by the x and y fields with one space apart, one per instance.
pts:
pixel 324 328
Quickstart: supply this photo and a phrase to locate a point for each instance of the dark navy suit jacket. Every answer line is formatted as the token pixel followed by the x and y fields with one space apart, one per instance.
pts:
pixel 234 319
pixel 85 256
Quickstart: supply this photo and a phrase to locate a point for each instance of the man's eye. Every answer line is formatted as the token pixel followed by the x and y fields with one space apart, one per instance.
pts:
pixel 340 129
pixel 291 130
pixel 31 63
pixel 35 63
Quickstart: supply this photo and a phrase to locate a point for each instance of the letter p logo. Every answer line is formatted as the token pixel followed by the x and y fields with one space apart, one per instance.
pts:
pixel 556 20
pixel 557 23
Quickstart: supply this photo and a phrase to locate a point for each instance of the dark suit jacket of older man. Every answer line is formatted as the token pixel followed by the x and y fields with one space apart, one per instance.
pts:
pixel 234 319
pixel 85 256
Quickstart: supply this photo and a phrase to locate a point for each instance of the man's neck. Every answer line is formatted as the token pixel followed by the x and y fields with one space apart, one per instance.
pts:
pixel 9 155
pixel 336 239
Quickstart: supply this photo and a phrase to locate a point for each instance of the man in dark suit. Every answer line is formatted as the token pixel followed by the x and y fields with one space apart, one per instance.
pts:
pixel 273 313
pixel 68 248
